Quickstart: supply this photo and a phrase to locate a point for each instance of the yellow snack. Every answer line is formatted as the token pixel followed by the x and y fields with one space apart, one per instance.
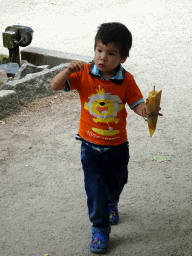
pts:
pixel 152 108
pixel 151 96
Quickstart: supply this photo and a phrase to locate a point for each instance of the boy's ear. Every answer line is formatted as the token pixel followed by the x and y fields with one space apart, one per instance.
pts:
pixel 123 60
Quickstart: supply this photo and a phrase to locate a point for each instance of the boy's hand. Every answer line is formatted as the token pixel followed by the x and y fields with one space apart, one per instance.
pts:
pixel 59 81
pixel 140 109
pixel 145 115
pixel 75 66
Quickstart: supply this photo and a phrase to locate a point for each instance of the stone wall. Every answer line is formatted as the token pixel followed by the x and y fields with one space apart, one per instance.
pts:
pixel 15 93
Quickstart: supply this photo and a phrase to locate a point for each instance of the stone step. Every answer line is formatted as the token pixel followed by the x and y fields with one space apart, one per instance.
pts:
pixel 39 56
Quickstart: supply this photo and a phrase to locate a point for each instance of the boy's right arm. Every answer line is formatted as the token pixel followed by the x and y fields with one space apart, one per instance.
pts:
pixel 59 81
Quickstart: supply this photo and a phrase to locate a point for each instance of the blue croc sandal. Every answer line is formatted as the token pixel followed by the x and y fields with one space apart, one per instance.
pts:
pixel 99 243
pixel 113 215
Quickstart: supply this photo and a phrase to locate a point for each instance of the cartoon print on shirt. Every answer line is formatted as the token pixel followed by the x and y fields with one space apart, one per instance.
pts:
pixel 104 107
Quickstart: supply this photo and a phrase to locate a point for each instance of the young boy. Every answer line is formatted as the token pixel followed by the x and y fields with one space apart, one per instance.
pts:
pixel 104 88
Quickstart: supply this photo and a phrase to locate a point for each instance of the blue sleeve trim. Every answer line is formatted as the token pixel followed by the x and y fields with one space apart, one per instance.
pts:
pixel 137 103
pixel 68 87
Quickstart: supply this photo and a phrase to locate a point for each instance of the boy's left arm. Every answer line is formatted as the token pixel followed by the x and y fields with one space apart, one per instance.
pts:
pixel 140 110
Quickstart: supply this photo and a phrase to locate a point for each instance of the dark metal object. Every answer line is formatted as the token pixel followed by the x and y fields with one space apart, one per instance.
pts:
pixel 15 36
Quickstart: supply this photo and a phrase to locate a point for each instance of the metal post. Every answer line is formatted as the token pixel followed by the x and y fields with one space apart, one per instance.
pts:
pixel 14 55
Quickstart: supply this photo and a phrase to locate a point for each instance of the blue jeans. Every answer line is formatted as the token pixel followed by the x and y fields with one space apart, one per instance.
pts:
pixel 105 175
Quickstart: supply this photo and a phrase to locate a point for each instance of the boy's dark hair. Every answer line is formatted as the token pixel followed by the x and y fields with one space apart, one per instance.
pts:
pixel 116 33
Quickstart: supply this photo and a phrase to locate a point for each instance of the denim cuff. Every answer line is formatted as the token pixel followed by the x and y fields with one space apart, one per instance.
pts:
pixel 103 230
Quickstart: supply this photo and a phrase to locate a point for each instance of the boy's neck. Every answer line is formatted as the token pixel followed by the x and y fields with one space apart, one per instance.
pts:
pixel 109 75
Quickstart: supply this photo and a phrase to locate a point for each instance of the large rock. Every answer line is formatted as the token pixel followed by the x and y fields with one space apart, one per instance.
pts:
pixel 9 103
pixel 27 69
pixel 10 68
pixel 34 86
pixel 3 77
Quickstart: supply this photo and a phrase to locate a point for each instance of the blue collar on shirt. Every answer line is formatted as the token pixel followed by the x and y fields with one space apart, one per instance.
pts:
pixel 118 78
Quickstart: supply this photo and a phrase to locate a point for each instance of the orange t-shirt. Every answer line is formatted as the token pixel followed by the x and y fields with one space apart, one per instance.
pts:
pixel 103 112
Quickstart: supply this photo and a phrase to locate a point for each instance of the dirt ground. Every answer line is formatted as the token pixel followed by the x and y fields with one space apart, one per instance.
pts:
pixel 42 199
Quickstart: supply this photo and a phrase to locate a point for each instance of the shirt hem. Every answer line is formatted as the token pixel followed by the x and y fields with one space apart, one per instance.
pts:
pixel 78 137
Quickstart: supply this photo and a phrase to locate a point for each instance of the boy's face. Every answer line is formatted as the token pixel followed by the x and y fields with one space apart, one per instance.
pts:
pixel 107 58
